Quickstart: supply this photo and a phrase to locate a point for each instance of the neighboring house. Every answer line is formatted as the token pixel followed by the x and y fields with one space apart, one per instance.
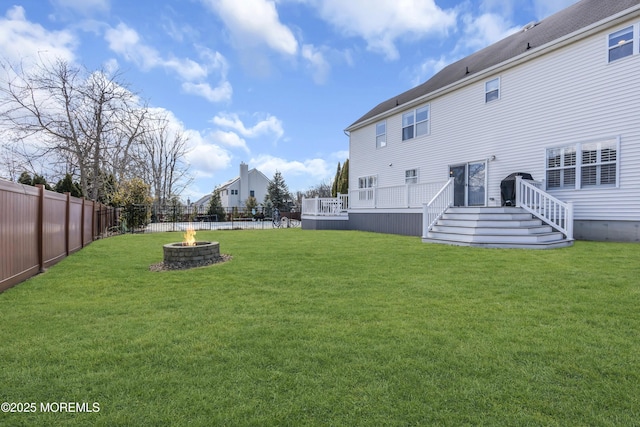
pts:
pixel 559 100
pixel 235 192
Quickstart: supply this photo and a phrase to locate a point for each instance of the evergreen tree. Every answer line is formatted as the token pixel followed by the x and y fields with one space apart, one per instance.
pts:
pixel 336 179
pixel 215 206
pixel 66 185
pixel 343 182
pixel 25 178
pixel 250 205
pixel 39 179
pixel 277 192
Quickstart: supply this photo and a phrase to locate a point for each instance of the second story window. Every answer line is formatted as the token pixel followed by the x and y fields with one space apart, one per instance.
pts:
pixel 492 90
pixel 381 134
pixel 621 44
pixel 415 123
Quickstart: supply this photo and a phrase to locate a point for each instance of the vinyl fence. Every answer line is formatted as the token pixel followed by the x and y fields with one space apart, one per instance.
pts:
pixel 39 228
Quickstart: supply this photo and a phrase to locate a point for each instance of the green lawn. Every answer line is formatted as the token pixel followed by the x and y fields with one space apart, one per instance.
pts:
pixel 328 328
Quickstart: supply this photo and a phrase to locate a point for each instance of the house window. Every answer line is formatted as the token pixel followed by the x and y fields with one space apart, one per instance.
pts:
pixel 415 123
pixel 411 176
pixel 366 185
pixel 252 193
pixel 492 90
pixel 381 134
pixel 561 167
pixel 621 44
pixel 583 165
pixel 599 164
pixel 234 192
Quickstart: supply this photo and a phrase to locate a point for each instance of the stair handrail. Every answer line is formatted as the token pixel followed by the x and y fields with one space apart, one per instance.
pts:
pixel 437 206
pixel 544 206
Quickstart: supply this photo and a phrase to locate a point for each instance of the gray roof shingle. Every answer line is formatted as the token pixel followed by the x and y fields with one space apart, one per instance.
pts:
pixel 580 15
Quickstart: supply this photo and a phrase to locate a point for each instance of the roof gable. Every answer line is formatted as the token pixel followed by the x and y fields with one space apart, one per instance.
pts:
pixel 574 18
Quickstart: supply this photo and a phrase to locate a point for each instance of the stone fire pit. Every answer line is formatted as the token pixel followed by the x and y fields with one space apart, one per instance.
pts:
pixel 180 256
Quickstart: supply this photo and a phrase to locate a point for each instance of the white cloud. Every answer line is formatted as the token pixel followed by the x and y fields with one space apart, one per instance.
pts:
pixel 205 156
pixel 22 40
pixel 269 125
pixel 218 94
pixel 252 23
pixel 229 139
pixel 126 41
pixel 381 23
pixel 297 173
pixel 319 66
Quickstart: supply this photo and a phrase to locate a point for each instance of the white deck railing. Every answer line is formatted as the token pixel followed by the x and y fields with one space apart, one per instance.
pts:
pixel 326 206
pixel 554 212
pixel 399 196
pixel 433 210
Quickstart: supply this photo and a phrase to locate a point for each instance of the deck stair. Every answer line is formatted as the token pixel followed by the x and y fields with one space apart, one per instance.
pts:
pixel 495 227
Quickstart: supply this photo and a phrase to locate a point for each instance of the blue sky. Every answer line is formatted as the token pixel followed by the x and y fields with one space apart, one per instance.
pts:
pixel 270 83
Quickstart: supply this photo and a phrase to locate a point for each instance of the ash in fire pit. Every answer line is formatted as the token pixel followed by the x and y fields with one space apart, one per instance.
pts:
pixel 190 254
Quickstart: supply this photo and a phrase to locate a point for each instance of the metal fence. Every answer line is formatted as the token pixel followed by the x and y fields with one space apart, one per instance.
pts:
pixel 156 218
pixel 39 228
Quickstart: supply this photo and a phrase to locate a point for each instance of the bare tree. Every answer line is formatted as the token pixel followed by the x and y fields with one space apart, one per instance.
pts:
pixel 83 120
pixel 320 190
pixel 164 146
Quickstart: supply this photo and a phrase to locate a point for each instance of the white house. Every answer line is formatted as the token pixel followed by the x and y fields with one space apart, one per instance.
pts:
pixel 235 192
pixel 559 100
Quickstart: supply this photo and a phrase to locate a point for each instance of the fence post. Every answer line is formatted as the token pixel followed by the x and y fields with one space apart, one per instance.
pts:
pixel 82 225
pixel 40 228
pixel 67 220
pixel 93 220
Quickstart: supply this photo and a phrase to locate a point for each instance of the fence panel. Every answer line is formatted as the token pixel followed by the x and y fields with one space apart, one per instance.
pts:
pixel 87 222
pixel 19 233
pixel 74 228
pixel 54 218
pixel 38 228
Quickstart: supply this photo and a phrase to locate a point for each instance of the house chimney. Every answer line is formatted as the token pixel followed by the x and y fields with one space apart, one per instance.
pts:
pixel 244 182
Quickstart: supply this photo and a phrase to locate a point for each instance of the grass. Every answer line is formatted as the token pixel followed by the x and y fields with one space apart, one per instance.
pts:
pixel 328 328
